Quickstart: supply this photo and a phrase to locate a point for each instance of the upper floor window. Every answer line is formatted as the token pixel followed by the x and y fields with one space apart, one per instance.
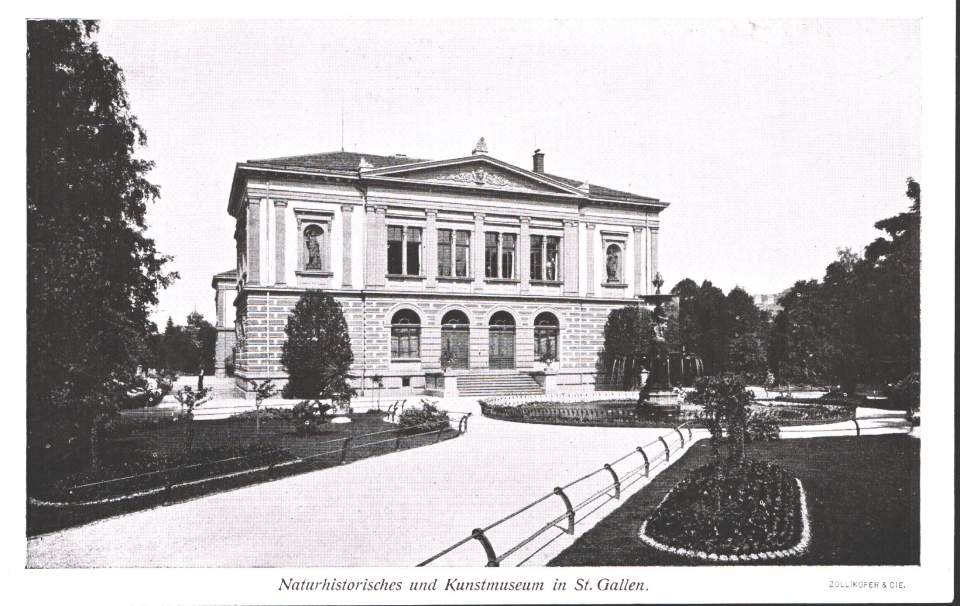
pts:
pixel 544 257
pixel 404 250
pixel 614 264
pixel 453 250
pixel 500 255
pixel 405 335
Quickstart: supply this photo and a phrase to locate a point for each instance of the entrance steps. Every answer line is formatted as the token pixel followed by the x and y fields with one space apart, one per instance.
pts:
pixel 497 384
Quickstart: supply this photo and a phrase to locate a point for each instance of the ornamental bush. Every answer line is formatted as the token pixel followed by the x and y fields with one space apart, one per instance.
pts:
pixel 317 352
pixel 427 418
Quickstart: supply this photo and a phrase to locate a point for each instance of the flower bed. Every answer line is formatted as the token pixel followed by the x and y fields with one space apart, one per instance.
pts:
pixel 739 511
pixel 808 414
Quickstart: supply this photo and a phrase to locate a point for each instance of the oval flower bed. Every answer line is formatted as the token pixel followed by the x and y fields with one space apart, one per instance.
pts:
pixel 747 511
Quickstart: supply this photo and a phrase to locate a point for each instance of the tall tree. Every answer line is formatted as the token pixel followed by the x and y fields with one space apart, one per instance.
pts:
pixel 317 352
pixel 92 273
pixel 746 342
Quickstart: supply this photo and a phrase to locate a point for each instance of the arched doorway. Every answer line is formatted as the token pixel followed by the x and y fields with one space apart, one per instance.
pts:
pixel 503 332
pixel 455 338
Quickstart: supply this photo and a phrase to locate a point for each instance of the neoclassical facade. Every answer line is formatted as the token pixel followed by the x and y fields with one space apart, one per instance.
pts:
pixel 497 266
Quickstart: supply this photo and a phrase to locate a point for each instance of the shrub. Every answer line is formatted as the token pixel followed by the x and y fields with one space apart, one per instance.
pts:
pixel 905 393
pixel 724 399
pixel 308 416
pixel 427 418
pixel 317 353
pixel 762 426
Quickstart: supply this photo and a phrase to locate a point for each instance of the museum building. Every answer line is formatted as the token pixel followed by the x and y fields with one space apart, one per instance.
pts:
pixel 511 272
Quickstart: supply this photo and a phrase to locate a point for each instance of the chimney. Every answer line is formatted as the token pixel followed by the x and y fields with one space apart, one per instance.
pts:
pixel 538 161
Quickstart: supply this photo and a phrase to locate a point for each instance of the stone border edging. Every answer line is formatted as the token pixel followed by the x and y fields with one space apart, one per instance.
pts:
pixel 574 397
pixel 799 548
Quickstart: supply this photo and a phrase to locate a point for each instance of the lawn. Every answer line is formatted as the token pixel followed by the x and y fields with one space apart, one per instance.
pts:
pixel 215 440
pixel 863 495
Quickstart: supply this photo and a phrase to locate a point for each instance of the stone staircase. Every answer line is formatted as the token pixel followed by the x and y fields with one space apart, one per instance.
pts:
pixel 497 384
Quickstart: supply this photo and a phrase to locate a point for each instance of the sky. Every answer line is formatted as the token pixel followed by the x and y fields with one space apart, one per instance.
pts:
pixel 774 141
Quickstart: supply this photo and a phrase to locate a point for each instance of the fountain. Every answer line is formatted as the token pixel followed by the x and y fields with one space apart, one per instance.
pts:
pixel 658 388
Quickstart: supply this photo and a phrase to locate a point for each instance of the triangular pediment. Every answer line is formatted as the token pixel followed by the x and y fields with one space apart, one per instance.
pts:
pixel 481 172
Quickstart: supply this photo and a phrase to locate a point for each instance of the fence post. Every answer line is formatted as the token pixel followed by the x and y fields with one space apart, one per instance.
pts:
pixel 439 431
pixel 665 447
pixel 396 445
pixel 679 433
pixel 344 448
pixel 857 425
pixel 487 547
pixel 570 513
pixel 616 480
pixel 646 461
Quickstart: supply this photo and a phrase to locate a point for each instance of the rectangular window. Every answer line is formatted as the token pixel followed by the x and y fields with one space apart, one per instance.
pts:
pixel 413 250
pixel 445 252
pixel 536 257
pixel 507 255
pixel 492 244
pixel 552 263
pixel 394 250
pixel 544 257
pixel 405 343
pixel 463 253
pixel 403 250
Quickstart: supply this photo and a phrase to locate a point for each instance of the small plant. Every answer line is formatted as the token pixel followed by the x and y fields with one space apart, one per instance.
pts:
pixel 377 381
pixel 308 416
pixel 189 399
pixel 262 391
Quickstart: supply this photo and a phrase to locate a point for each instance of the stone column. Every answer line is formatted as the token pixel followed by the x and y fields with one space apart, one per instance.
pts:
pixel 479 248
pixel 654 237
pixel 571 250
pixel 280 231
pixel 430 249
pixel 591 262
pixel 524 252
pixel 346 214
pixel 640 280
pixel 370 251
pixel 253 242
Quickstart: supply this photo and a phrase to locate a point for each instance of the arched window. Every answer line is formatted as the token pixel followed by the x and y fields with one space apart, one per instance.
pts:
pixel 502 340
pixel 455 339
pixel 405 335
pixel 614 264
pixel 314 247
pixel 546 337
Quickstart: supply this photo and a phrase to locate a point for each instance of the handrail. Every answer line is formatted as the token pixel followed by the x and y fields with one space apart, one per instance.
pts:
pixel 343 448
pixel 617 485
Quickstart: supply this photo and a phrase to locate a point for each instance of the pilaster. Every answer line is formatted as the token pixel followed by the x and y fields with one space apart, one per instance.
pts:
pixel 524 252
pixel 253 242
pixel 591 269
pixel 571 250
pixel 654 245
pixel 370 254
pixel 280 233
pixel 346 213
pixel 479 249
pixel 640 280
pixel 430 245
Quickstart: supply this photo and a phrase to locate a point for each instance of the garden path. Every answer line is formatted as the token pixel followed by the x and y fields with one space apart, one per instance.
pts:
pixel 394 510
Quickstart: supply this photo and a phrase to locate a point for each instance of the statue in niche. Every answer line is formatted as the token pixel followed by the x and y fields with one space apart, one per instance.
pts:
pixel 311 237
pixel 613 264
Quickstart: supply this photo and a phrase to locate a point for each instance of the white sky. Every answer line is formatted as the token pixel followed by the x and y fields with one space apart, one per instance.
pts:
pixel 774 141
